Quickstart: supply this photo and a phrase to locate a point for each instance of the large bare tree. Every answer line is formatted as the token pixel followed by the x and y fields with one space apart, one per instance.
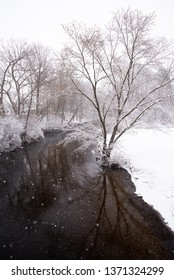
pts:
pixel 126 69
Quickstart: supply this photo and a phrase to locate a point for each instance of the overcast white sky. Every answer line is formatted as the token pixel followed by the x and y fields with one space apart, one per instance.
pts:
pixel 39 20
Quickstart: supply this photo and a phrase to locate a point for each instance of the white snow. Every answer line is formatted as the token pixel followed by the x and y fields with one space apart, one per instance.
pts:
pixel 149 156
pixel 12 129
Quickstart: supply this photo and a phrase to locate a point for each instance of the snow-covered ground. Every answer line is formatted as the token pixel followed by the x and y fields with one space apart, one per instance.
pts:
pixel 149 156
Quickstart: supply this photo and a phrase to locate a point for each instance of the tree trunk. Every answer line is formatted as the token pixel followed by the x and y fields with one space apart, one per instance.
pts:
pixel 2 112
pixel 106 153
pixel 37 102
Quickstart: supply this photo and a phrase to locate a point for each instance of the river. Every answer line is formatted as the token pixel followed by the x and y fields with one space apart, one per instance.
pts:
pixel 57 203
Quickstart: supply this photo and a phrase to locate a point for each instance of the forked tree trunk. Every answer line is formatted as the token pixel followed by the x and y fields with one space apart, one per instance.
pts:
pixel 106 154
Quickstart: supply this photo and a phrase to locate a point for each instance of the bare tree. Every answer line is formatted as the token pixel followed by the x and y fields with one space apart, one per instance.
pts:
pixel 9 57
pixel 17 83
pixel 126 69
pixel 41 65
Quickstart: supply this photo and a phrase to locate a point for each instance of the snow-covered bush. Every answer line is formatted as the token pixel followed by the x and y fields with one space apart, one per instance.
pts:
pixel 10 133
pixel 33 131
pixel 86 134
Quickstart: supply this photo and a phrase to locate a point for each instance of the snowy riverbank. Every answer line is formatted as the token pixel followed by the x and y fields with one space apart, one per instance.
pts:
pixel 149 157
pixel 12 131
pixel 147 154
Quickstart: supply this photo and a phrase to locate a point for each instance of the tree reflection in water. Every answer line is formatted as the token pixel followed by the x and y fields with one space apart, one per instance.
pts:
pixel 56 203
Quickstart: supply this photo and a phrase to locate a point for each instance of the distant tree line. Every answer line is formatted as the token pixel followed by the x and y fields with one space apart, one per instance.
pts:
pixel 34 83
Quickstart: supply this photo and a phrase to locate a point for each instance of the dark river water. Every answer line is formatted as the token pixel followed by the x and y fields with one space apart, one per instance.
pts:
pixel 56 203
